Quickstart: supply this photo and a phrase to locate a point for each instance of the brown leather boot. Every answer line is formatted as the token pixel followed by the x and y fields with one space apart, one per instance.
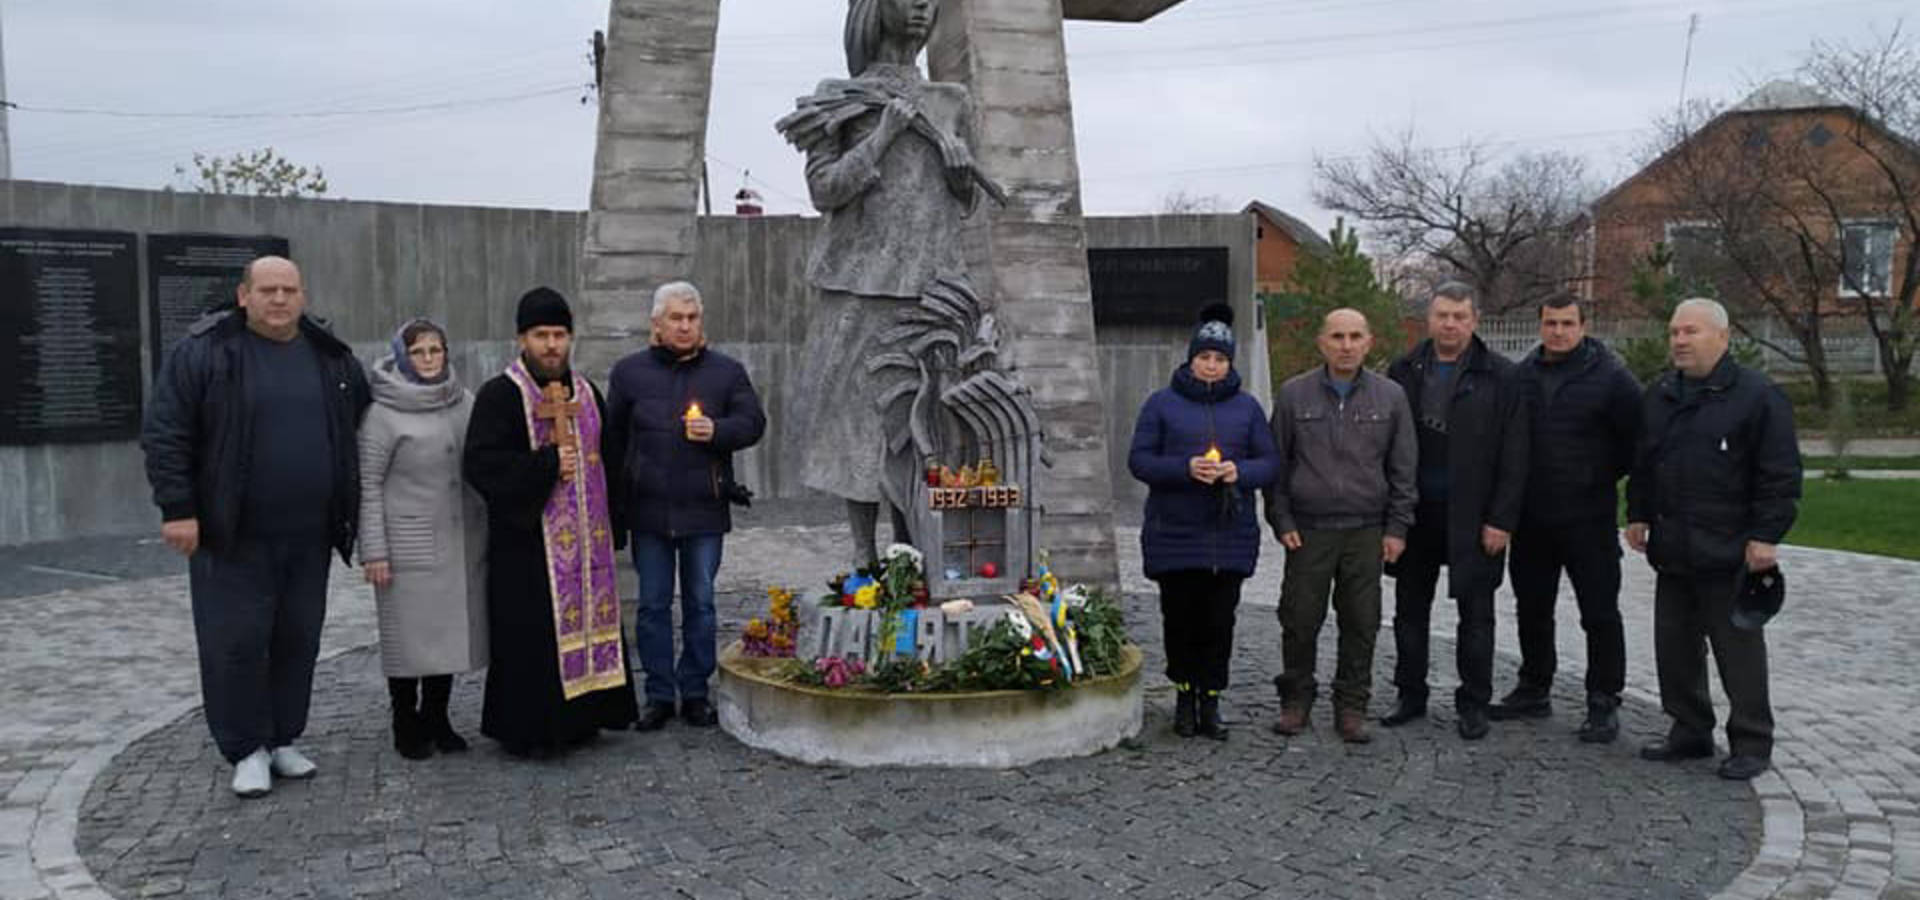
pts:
pixel 1293 720
pixel 1352 725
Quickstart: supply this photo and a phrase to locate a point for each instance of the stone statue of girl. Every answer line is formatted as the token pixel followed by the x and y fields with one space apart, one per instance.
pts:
pixel 889 165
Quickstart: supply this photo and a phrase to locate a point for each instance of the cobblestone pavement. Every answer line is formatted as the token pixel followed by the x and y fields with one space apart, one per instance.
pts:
pixel 85 674
pixel 1419 814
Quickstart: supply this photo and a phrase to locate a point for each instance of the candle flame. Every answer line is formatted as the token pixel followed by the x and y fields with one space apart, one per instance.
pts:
pixel 1213 454
pixel 693 411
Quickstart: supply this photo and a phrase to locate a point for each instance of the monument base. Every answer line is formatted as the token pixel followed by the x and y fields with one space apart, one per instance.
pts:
pixel 986 729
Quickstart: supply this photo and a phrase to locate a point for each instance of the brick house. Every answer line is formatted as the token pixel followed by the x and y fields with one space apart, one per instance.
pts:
pixel 1279 241
pixel 1831 184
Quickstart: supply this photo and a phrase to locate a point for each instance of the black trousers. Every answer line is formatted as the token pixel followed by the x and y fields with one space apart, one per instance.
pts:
pixel 1590 555
pixel 1197 610
pixel 1690 613
pixel 1417 574
pixel 258 607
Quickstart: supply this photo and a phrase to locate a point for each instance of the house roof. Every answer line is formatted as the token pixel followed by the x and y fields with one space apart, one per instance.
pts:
pixel 1777 96
pixel 1302 233
pixel 1782 95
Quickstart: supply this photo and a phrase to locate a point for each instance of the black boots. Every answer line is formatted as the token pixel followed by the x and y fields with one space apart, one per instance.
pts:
pixel 435 690
pixel 1185 712
pixel 409 732
pixel 1207 717
pixel 1473 723
pixel 1405 709
pixel 420 724
pixel 1603 720
pixel 1521 703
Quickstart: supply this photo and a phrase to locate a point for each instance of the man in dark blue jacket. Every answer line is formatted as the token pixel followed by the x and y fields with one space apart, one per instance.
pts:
pixel 254 464
pixel 1586 418
pixel 1713 492
pixel 676 413
pixel 1471 423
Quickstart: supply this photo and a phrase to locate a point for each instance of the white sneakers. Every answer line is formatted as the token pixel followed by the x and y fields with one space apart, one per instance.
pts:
pixel 253 776
pixel 291 763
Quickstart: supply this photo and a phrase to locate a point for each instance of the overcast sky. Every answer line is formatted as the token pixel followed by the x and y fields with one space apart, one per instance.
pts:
pixel 1227 98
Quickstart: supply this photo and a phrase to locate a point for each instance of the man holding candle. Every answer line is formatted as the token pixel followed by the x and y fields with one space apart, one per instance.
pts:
pixel 676 413
pixel 1341 507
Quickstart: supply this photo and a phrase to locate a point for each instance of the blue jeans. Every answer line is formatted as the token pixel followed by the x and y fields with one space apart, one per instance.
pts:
pixel 655 559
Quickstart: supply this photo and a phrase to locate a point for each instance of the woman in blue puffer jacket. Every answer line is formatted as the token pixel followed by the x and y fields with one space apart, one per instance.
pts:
pixel 1202 447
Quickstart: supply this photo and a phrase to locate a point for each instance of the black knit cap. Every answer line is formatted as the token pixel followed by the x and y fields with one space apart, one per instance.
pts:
pixel 542 306
pixel 1215 331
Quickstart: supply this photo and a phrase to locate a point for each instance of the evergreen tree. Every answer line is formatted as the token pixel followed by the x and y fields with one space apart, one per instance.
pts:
pixel 1323 282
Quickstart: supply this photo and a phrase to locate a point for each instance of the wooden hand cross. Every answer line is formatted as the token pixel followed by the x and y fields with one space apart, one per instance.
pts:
pixel 555 406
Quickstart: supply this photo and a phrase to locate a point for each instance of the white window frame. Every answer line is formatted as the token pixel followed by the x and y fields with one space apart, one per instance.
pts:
pixel 1680 225
pixel 1892 229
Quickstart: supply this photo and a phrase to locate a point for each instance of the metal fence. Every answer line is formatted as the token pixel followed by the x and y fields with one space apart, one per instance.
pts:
pixel 1849 345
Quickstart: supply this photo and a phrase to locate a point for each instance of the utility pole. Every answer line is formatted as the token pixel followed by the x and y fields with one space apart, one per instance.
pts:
pixel 1686 63
pixel 6 143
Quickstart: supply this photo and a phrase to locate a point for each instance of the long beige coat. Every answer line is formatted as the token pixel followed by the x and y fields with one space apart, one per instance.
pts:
pixel 418 515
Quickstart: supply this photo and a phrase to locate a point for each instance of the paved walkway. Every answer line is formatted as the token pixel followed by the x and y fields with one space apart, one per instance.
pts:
pixel 89 673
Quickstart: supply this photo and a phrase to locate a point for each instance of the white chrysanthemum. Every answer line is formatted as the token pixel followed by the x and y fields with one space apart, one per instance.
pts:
pixel 1076 596
pixel 1020 624
pixel 906 550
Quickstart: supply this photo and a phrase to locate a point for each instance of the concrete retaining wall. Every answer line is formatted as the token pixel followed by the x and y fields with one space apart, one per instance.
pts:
pixel 369 265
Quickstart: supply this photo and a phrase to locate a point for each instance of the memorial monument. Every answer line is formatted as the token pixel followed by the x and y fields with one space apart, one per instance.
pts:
pixel 904 381
pixel 1029 255
pixel 954 342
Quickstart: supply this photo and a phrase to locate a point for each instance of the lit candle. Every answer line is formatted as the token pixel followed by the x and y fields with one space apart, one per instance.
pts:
pixel 693 411
pixel 1213 454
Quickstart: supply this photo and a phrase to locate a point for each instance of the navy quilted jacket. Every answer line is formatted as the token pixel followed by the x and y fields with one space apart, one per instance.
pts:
pixel 1190 525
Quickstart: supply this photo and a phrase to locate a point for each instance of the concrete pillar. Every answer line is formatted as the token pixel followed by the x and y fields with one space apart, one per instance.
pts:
pixel 640 233
pixel 1030 258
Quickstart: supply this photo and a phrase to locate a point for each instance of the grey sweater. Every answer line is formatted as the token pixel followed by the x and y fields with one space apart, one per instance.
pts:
pixel 1344 464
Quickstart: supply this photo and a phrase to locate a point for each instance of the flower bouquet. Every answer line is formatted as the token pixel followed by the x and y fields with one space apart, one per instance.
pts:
pixel 776 635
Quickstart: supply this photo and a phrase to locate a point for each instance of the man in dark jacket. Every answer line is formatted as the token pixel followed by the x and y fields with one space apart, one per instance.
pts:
pixel 1471 421
pixel 1713 491
pixel 1585 410
pixel 1342 505
pixel 676 413
pixel 254 464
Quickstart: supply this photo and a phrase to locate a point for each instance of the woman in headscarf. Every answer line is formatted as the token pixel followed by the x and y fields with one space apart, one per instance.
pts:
pixel 423 536
pixel 1202 447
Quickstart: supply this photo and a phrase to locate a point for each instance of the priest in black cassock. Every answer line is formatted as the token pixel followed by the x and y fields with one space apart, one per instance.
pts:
pixel 559 670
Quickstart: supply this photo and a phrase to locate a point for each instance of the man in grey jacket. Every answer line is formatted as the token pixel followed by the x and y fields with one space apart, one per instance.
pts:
pixel 1341 507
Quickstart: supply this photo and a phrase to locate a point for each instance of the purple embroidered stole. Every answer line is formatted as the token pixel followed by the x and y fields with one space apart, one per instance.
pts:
pixel 579 543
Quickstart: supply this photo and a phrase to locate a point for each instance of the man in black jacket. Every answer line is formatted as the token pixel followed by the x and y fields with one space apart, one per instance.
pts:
pixel 676 413
pixel 1471 424
pixel 1714 490
pixel 251 453
pixel 1585 411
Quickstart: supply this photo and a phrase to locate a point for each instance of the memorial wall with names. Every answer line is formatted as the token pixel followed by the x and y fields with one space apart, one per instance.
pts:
pixel 189 275
pixel 69 336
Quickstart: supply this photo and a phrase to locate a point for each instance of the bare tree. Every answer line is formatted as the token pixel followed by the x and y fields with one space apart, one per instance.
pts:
pixel 1182 203
pixel 1498 223
pixel 1881 82
pixel 1798 207
pixel 262 172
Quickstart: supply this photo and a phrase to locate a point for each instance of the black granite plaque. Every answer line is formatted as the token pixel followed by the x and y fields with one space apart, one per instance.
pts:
pixel 191 274
pixel 1155 285
pixel 69 336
